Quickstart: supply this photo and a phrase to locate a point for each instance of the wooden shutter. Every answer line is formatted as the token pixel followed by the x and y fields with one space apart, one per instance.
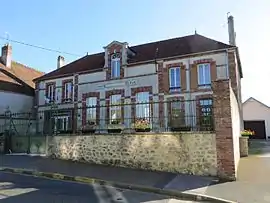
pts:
pixel 213 71
pixel 193 77
pixel 183 78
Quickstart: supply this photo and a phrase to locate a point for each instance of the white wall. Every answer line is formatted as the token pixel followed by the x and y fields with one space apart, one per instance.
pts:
pixel 58 94
pixel 140 70
pixel 17 103
pixel 254 110
pixel 236 127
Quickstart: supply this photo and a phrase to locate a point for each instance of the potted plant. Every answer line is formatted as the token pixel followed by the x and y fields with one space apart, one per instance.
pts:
pixel 90 127
pixel 115 126
pixel 142 125
pixel 247 133
pixel 244 142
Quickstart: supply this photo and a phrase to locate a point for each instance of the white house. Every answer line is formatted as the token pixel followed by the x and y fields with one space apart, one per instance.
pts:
pixel 16 87
pixel 256 117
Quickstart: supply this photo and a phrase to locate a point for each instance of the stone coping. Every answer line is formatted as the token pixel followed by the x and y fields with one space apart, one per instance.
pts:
pixel 141 133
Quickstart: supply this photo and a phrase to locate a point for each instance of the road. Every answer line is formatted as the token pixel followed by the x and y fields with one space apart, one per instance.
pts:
pixel 27 189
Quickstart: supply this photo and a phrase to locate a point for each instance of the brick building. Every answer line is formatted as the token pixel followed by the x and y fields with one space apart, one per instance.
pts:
pixel 175 81
pixel 180 68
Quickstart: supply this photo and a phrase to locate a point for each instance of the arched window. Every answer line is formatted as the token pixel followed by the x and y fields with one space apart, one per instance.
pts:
pixel 115 65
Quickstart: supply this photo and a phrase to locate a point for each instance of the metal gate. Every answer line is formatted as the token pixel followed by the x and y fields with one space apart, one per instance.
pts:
pixel 19 134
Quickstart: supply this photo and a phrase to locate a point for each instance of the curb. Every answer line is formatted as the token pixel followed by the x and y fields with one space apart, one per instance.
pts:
pixel 85 180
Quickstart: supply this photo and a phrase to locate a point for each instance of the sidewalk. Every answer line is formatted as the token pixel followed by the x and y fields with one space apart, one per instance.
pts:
pixel 253 184
pixel 116 174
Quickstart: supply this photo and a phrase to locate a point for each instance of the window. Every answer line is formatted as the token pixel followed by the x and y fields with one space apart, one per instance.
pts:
pixel 63 123
pixel 174 74
pixel 68 91
pixel 206 114
pixel 91 112
pixel 177 117
pixel 115 109
pixel 142 105
pixel 50 93
pixel 115 66
pixel 204 75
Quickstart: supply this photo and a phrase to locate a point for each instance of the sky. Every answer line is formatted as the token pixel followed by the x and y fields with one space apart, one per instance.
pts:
pixel 81 26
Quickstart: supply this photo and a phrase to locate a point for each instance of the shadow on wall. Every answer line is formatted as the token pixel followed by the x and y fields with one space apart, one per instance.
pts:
pixel 236 126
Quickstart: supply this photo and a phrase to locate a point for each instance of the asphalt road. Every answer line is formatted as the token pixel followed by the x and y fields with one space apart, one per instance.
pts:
pixel 27 189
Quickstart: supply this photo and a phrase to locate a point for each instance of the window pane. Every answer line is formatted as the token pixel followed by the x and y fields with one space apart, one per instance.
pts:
pixel 177 77
pixel 200 74
pixel 115 109
pixel 118 68
pixel 91 103
pixel 207 74
pixel 142 106
pixel 172 77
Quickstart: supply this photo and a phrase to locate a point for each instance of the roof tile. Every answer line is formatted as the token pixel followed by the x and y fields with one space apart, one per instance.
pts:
pixel 145 52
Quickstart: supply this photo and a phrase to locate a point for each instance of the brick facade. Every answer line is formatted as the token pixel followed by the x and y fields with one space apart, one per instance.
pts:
pixel 232 72
pixel 163 77
pixel 194 87
pixel 115 48
pixel 223 128
pixel 84 106
pixel 108 94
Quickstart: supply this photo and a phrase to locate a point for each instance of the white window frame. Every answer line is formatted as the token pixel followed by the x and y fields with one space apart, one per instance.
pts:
pixel 115 67
pixel 115 106
pixel 91 112
pixel 68 90
pixel 64 120
pixel 202 78
pixel 142 105
pixel 174 86
pixel 51 92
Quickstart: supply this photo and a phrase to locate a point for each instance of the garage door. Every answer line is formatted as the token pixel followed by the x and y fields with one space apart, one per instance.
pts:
pixel 258 127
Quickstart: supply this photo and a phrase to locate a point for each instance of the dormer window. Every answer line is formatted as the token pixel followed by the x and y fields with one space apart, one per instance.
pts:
pixel 115 65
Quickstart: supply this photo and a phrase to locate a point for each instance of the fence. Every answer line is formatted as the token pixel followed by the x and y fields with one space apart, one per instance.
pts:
pixel 154 116
pixel 17 123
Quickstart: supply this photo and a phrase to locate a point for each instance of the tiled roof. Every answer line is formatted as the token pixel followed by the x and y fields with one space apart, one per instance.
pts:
pixel 146 52
pixel 20 71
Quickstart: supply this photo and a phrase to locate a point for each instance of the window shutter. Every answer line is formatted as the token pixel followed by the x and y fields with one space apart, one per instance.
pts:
pixel 213 71
pixel 193 77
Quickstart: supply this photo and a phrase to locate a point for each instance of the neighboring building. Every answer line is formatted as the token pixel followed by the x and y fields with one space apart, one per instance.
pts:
pixel 256 117
pixel 180 68
pixel 16 85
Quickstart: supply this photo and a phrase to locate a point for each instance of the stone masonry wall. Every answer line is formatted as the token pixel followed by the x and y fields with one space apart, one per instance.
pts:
pixel 192 153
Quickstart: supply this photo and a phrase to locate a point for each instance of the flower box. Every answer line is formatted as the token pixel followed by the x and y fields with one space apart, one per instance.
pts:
pixel 247 133
pixel 90 127
pixel 141 125
pixel 115 127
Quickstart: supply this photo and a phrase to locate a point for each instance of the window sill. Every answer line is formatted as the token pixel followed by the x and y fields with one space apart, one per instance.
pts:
pixel 204 86
pixel 175 90
pixel 67 101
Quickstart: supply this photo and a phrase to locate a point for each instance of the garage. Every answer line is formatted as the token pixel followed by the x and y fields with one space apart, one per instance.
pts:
pixel 258 127
pixel 256 116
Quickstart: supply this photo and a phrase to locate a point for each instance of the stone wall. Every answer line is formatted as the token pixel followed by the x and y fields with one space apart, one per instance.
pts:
pixel 193 153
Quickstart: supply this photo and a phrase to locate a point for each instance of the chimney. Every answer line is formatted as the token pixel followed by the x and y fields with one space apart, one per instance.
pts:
pixel 60 62
pixel 232 34
pixel 6 55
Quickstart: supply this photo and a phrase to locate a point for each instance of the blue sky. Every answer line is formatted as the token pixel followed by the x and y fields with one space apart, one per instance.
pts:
pixel 81 26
